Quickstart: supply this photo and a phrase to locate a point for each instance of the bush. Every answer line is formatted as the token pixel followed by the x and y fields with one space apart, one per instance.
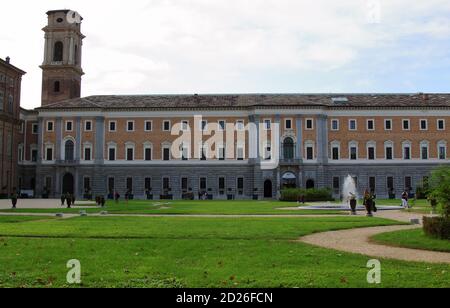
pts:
pixel 311 195
pixel 437 227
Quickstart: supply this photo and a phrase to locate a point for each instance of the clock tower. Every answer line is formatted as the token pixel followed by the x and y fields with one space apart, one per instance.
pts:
pixel 61 69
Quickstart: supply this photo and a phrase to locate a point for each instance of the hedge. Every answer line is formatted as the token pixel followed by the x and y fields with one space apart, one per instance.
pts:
pixel 437 227
pixel 311 195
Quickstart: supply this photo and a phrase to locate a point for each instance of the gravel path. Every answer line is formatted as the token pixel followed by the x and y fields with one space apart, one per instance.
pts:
pixel 358 241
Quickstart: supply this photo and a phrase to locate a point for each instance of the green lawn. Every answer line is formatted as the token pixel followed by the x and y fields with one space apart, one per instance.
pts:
pixel 191 207
pixel 194 252
pixel 413 239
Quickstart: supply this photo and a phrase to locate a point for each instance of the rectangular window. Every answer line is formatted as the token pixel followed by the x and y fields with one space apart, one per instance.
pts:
pixel 388 124
pixel 372 184
pixel 87 184
pixel 267 124
pixel 148 126
pixel 166 154
pixel 166 126
pixel 240 186
pixel 35 128
pixel 370 125
pixel 442 152
pixel 407 153
pixel 389 153
pixel 406 125
pixel 166 184
pixel 112 154
pixel 352 125
pixel 148 154
pixel 221 185
pixel 87 154
pixel 441 124
pixel 353 153
pixel 130 154
pixel 34 155
pixel 69 126
pixel 148 185
pixel 408 183
pixel 334 125
pixel 203 153
pixel 184 184
pixel 112 126
pixel 390 183
pixel 424 152
pixel 288 124
pixel 423 124
pixel 49 154
pixel 371 153
pixel 88 126
pixel 50 126
pixel 240 125
pixel 129 184
pixel 203 184
pixel 309 153
pixel 2 100
pixel 336 185
pixel 185 126
pixel 111 185
pixel 185 153
pixel 222 125
pixel 335 153
pixel 130 126
pixel 309 124
pixel 204 126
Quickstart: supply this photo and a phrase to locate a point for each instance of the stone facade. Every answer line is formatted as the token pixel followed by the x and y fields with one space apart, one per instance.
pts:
pixel 10 129
pixel 100 145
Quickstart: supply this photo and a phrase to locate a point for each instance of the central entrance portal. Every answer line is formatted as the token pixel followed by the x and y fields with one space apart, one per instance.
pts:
pixel 68 184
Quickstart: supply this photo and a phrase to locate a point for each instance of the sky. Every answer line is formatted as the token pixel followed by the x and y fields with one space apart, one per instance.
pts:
pixel 241 46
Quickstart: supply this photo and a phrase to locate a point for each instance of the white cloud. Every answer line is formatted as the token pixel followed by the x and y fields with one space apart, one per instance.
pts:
pixel 172 46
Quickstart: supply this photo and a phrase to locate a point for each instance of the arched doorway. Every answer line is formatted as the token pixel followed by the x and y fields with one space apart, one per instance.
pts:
pixel 68 184
pixel 310 184
pixel 288 149
pixel 289 180
pixel 69 149
pixel 268 189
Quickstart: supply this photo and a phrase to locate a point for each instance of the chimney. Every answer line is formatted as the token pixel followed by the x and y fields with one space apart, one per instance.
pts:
pixel 8 59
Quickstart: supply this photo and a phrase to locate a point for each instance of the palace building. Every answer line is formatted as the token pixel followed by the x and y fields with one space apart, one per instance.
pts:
pixel 100 145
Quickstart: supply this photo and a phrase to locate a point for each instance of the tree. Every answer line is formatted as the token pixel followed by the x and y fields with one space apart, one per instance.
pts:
pixel 440 189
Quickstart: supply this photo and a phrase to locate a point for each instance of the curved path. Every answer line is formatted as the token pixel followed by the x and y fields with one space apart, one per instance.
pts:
pixel 358 241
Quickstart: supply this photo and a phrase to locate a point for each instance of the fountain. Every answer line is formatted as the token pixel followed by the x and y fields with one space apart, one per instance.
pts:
pixel 350 199
pixel 350 194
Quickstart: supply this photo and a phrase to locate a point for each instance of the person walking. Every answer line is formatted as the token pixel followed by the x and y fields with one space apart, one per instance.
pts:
pixel 368 203
pixel 63 199
pixel 14 198
pixel 405 196
pixel 69 201
pixel 116 197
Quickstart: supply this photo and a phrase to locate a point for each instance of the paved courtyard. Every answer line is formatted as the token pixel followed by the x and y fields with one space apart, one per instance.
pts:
pixel 40 204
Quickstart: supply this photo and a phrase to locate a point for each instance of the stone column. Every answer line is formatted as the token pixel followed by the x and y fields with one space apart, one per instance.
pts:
pixel 58 130
pixel 78 139
pixel 322 139
pixel 299 146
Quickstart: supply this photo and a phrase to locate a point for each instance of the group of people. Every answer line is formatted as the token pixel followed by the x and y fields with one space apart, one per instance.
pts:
pixel 69 199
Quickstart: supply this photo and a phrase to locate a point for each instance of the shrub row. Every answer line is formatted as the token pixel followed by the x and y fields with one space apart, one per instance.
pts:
pixel 310 195
pixel 437 227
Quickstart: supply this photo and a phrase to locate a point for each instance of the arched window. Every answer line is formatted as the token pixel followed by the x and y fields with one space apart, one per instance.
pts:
pixel 69 149
pixel 58 52
pixel 57 87
pixel 288 148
